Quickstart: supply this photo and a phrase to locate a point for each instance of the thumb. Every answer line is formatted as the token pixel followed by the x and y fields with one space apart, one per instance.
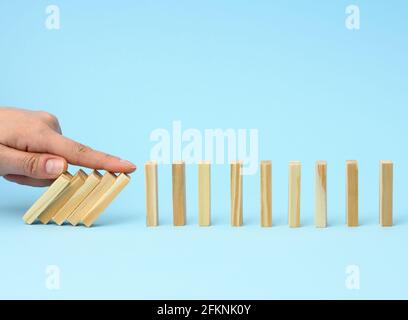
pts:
pixel 33 165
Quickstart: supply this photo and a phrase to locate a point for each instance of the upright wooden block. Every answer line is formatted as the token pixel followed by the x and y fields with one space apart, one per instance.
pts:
pixel 54 210
pixel 294 194
pixel 179 193
pixel 352 193
pixel 386 193
pixel 46 200
pixel 321 194
pixel 204 193
pixel 236 194
pixel 89 202
pixel 266 193
pixel 104 198
pixel 152 202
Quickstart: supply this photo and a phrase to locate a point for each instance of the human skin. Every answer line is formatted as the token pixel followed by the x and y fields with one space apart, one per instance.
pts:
pixel 34 152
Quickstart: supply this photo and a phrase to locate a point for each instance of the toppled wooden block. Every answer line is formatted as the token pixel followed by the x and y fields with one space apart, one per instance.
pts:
pixel 104 199
pixel 76 182
pixel 47 199
pixel 78 198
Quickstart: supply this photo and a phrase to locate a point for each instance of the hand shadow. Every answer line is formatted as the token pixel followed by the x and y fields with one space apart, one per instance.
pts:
pixel 13 211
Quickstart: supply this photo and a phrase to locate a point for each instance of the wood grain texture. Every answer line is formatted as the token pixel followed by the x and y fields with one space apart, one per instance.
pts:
pixel 236 194
pixel 352 193
pixel 266 193
pixel 104 198
pixel 321 194
pixel 77 199
pixel 57 213
pixel 82 210
pixel 386 193
pixel 66 211
pixel 179 193
pixel 204 193
pixel 49 196
pixel 294 194
pixel 152 198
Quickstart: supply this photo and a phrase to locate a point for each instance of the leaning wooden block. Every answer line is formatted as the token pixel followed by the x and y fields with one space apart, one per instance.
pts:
pixel 236 194
pixel 266 193
pixel 204 193
pixel 81 193
pixel 386 193
pixel 321 194
pixel 152 203
pixel 352 193
pixel 76 182
pixel 179 193
pixel 294 194
pixel 104 198
pixel 46 200
pixel 82 210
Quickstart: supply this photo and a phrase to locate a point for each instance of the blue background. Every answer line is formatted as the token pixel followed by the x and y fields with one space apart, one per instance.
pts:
pixel 116 70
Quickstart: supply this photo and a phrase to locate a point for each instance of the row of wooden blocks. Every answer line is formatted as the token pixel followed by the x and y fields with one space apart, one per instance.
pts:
pixel 204 193
pixel 76 199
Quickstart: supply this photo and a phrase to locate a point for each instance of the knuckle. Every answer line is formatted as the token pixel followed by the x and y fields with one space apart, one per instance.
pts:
pixel 30 164
pixel 80 150
pixel 48 117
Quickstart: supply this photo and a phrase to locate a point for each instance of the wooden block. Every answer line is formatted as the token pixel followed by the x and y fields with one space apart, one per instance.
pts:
pixel 204 193
pixel 179 193
pixel 152 202
pixel 82 210
pixel 76 182
pixel 49 196
pixel 321 194
pixel 352 193
pixel 294 194
pixel 104 198
pixel 386 193
pixel 236 194
pixel 266 193
pixel 65 213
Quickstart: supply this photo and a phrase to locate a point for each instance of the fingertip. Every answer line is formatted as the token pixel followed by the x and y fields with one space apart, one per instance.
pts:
pixel 128 166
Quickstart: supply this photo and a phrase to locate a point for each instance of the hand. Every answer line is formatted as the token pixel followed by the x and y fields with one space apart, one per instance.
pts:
pixel 34 152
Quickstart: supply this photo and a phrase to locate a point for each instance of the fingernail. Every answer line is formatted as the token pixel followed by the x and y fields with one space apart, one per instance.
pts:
pixel 54 166
pixel 128 163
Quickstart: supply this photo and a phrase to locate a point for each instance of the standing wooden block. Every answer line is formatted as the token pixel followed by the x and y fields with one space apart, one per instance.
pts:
pixel 236 194
pixel 49 196
pixel 294 194
pixel 76 182
pixel 104 198
pixel 179 193
pixel 321 194
pixel 204 193
pixel 266 193
pixel 152 200
pixel 352 193
pixel 386 193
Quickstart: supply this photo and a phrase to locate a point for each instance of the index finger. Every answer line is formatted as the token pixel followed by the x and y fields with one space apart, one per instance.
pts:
pixel 78 154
